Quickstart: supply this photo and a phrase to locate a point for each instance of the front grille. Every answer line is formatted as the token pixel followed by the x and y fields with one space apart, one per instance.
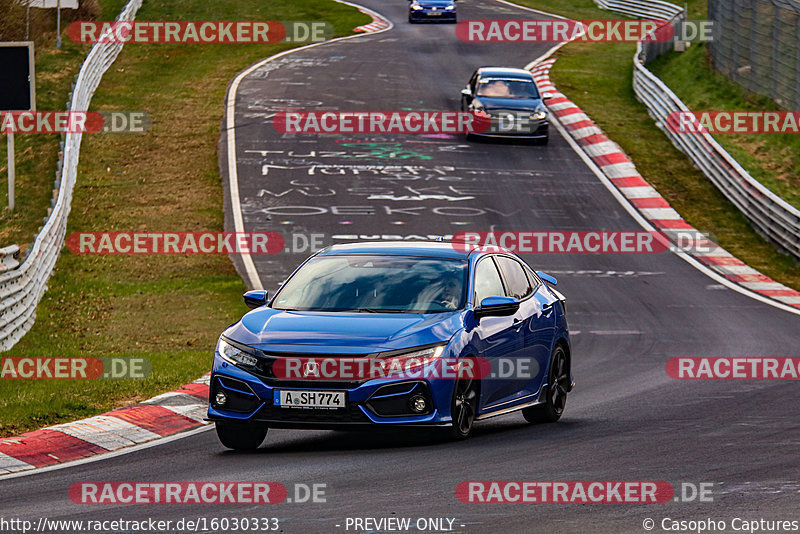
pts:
pixel 266 360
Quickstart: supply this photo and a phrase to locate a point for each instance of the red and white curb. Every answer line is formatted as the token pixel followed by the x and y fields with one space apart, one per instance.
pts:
pixel 621 171
pixel 161 416
pixel 377 24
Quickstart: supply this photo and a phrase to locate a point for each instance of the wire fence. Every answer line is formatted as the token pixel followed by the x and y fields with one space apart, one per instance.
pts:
pixel 757 45
pixel 22 284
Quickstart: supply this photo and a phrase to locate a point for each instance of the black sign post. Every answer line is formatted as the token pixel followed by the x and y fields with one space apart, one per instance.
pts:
pixel 17 93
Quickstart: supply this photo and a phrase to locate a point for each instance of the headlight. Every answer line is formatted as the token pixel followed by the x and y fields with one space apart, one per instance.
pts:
pixel 410 360
pixel 539 115
pixel 416 7
pixel 235 355
pixel 450 8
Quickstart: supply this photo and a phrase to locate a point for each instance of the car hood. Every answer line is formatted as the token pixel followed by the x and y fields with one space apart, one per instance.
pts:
pixel 349 333
pixel 521 104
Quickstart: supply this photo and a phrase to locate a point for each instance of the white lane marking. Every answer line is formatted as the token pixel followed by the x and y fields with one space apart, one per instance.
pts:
pixel 254 281
pixel 106 431
pixel 107 455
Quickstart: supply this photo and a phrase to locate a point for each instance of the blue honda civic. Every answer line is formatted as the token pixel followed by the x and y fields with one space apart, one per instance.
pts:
pixel 362 335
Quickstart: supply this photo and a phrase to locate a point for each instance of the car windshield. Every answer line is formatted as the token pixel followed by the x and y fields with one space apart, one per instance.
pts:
pixel 497 88
pixel 369 283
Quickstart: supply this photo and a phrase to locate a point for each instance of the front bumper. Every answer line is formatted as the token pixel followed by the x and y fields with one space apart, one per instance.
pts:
pixel 530 129
pixel 428 15
pixel 382 401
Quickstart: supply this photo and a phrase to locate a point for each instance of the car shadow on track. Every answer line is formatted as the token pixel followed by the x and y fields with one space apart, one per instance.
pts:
pixel 399 438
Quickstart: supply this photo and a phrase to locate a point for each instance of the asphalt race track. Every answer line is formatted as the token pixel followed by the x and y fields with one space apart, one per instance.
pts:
pixel 629 314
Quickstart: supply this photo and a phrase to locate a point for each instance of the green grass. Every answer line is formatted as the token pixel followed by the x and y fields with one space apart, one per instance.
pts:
pixel 598 77
pixel 167 309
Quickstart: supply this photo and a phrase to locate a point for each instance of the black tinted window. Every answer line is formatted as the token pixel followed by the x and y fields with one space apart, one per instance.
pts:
pixel 517 281
pixel 487 281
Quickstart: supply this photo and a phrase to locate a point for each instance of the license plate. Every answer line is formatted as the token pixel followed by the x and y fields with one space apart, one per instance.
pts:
pixel 434 14
pixel 310 399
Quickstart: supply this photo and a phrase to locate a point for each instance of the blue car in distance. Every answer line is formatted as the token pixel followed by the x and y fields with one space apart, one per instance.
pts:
pixel 368 334
pixel 432 11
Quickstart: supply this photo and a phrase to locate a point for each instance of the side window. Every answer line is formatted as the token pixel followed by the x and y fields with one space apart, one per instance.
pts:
pixel 514 274
pixel 487 281
pixel 532 278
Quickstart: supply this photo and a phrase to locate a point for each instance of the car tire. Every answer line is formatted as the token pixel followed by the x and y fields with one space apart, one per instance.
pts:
pixel 464 408
pixel 557 388
pixel 241 436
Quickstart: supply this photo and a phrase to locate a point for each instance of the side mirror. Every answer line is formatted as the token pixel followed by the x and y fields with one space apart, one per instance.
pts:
pixel 546 277
pixel 546 97
pixel 497 307
pixel 466 92
pixel 256 298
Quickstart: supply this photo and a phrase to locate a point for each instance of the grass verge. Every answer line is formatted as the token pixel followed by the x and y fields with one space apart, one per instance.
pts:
pixel 598 77
pixel 772 159
pixel 167 309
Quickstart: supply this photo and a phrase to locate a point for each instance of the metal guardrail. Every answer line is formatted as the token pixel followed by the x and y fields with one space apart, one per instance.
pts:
pixel 23 284
pixel 770 215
